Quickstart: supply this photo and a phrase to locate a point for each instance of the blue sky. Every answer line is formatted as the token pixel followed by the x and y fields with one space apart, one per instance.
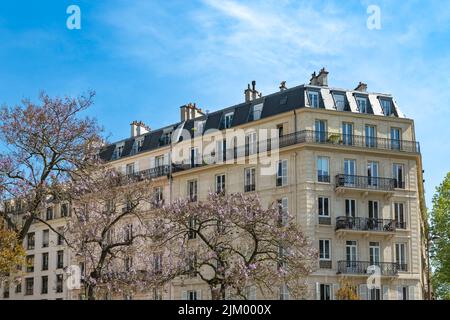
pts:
pixel 146 58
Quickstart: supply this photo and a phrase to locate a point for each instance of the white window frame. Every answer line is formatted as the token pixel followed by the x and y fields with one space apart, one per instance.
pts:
pixel 362 107
pixel 228 119
pixel 282 172
pixel 321 160
pixel 314 99
pixel 326 245
pixel 220 182
pixel 322 200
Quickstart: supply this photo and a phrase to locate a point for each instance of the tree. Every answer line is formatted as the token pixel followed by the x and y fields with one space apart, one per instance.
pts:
pixel 11 252
pixel 110 234
pixel 232 243
pixel 47 145
pixel 440 240
pixel 347 291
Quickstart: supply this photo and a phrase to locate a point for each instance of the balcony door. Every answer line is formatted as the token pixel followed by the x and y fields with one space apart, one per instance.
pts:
pixel 395 138
pixel 374 253
pixel 321 130
pixel 347 133
pixel 372 174
pixel 370 136
pixel 350 208
pixel 350 172
pixel 351 256
pixel 400 256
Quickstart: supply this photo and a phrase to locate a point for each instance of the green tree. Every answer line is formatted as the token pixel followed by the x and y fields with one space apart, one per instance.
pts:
pixel 440 237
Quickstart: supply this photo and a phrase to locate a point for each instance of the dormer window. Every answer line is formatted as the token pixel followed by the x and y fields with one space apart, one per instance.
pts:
pixel 256 111
pixel 362 104
pixel 339 101
pixel 137 145
pixel 227 120
pixel 313 97
pixel 165 138
pixel 118 151
pixel 199 126
pixel 386 105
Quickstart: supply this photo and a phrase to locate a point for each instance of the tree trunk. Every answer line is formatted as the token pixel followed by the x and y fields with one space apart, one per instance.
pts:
pixel 90 293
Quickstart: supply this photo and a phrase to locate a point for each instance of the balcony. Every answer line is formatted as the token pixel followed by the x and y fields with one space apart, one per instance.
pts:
pixel 389 269
pixel 152 173
pixel 345 183
pixel 359 224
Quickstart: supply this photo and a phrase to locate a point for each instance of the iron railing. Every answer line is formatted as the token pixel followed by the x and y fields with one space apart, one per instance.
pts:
pixel 365 182
pixel 361 267
pixel 150 173
pixel 365 224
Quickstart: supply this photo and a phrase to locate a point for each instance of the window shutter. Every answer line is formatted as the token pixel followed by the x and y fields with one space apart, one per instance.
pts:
pixel 335 290
pixel 317 291
pixel 411 293
pixel 385 292
pixel 183 295
pixel 284 172
pixel 363 292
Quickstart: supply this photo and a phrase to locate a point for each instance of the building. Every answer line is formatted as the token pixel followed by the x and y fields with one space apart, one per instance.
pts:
pixel 347 166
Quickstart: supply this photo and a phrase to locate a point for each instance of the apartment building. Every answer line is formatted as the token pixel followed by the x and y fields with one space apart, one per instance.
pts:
pixel 346 165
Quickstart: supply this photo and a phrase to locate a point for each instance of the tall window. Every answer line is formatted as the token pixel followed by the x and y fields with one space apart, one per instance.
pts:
pixel 29 286
pixel 325 292
pixel 372 173
pixel 250 143
pixel 374 253
pixel 221 151
pixel 159 161
pixel 283 211
pixel 399 215
pixel 351 249
pixel 339 101
pixel 249 179
pixel 64 210
pixel 350 172
pixel 396 136
pixel 371 140
pixel 29 260
pixel 227 120
pixel 323 207
pixel 192 190
pixel 350 208
pixel 49 215
pixel 320 127
pixel 60 259
pixel 30 241
pixel 282 173
pixel 386 106
pixel 195 157
pixel 324 249
pixel 375 294
pixel 313 97
pixel 323 172
pixel 400 256
pixel 256 111
pixel 44 284
pixel 45 261
pixel 45 238
pixel 59 283
pixel 399 179
pixel 347 133
pixel 373 209
pixel 192 233
pixel 192 295
pixel 220 183
pixel 362 104
pixel 130 169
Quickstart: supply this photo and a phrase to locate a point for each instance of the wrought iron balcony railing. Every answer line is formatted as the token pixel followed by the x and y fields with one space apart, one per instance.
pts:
pixel 150 173
pixel 365 182
pixel 365 224
pixel 361 267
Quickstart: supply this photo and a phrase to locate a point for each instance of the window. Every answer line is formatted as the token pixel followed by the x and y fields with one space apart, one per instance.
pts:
pixel 280 129
pixel 118 151
pixel 128 263
pixel 347 133
pixel 45 238
pixel 45 261
pixel 158 197
pixel 137 145
pixel 399 215
pixel 374 253
pixel 130 169
pixel 192 190
pixel 60 259
pixel 165 138
pixel 323 173
pixel 157 294
pixel 372 174
pixel 194 157
pixel 386 106
pixel 191 263
pixel 60 240
pixel 159 161
pixel 249 179
pixel 30 263
pixel 403 293
pixel 371 141
pixel 19 288
pixel 44 284
pixel 282 173
pixel 29 286
pixel 220 183
pixel 350 172
pixel 373 210
pixel 398 174
pixel 6 290
pixel 313 97
pixel 320 127
pixel 227 120
pixel 128 232
pixel 350 208
pixel 325 292
pixel 351 254
pixel 251 146
pixel 324 249
pixel 30 241
pixel 64 210
pixel 192 295
pixel 49 215
pixel 396 136
pixel 323 207
pixel 339 101
pixel 362 104
pixel 256 111
pixel 400 256
pixel 192 234
pixel 221 151
pixel 375 294
pixel 157 262
pixel 284 292
pixel 283 211
pixel 59 283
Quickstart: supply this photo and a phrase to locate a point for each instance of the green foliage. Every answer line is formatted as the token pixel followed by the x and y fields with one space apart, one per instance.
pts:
pixel 440 236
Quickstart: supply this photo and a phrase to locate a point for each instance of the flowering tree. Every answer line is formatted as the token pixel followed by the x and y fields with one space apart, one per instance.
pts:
pixel 47 145
pixel 110 234
pixel 232 243
pixel 347 291
pixel 11 252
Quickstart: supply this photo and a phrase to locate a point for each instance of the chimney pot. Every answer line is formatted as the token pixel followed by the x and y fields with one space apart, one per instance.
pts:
pixel 361 87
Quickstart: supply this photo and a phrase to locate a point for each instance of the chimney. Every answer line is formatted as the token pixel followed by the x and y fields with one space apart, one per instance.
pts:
pixel 190 111
pixel 251 93
pixel 138 128
pixel 361 87
pixel 283 86
pixel 319 80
